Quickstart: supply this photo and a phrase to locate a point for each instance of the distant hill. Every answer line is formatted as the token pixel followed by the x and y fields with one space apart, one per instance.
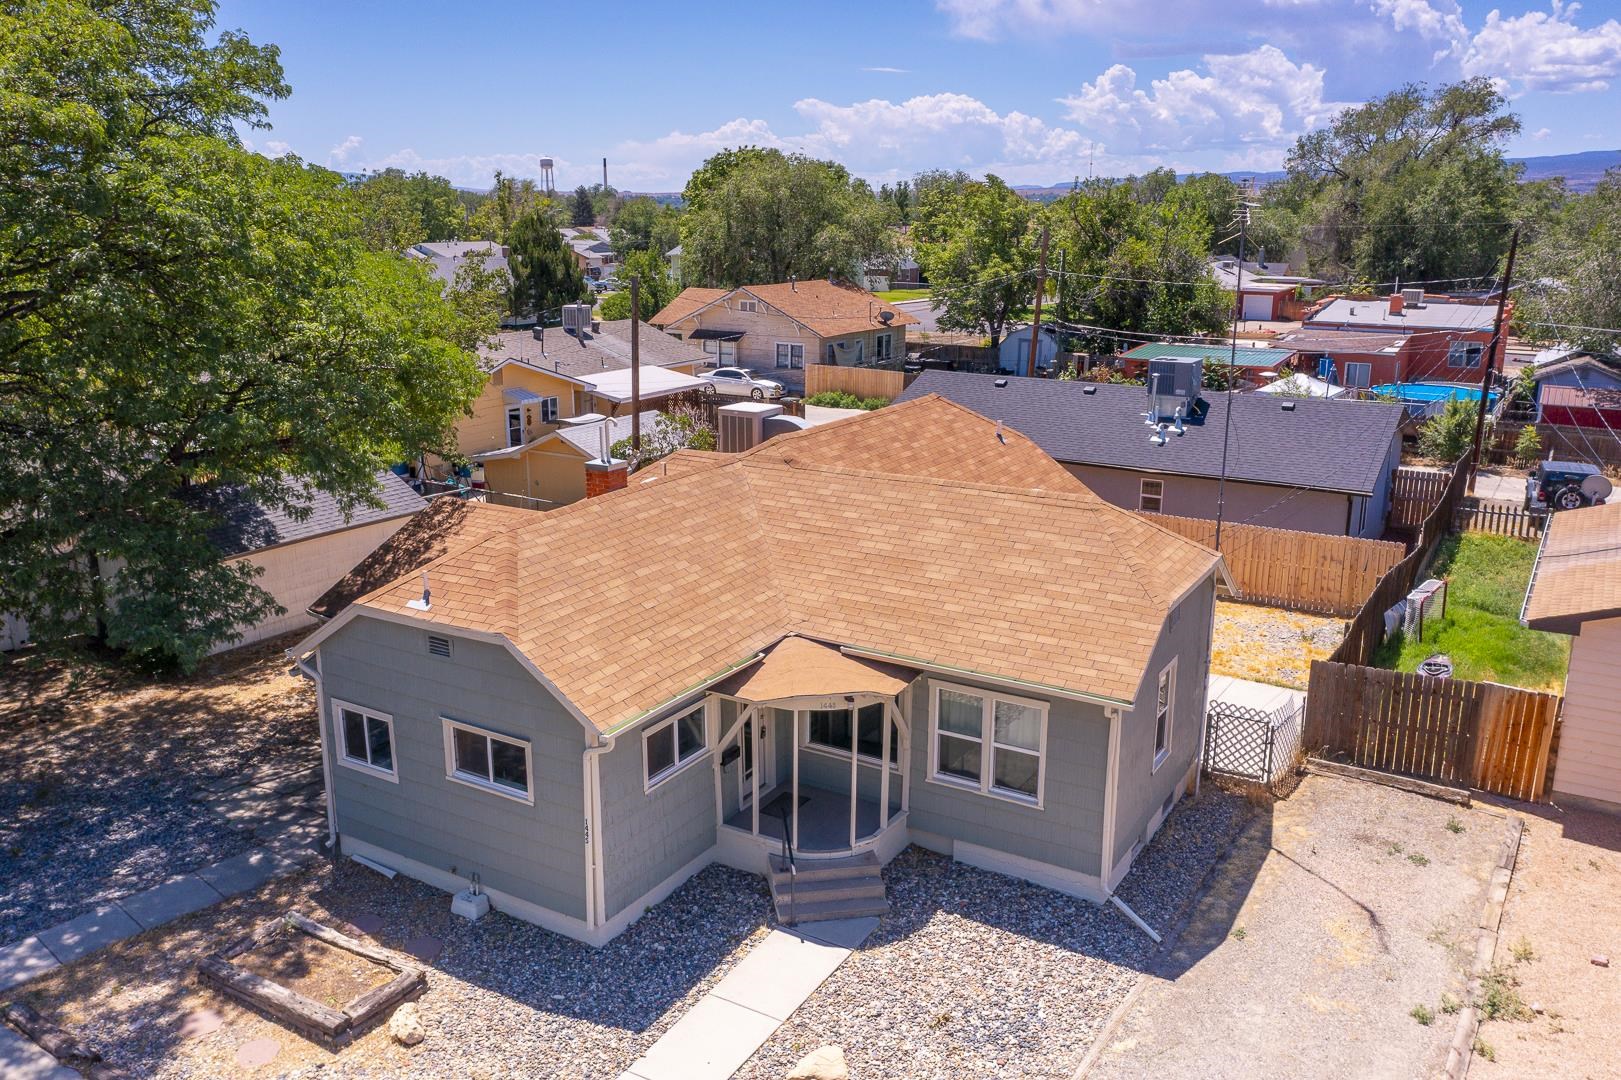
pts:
pixel 1582 172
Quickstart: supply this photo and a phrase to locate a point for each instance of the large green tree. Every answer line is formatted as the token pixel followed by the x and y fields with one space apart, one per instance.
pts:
pixel 581 211
pixel 179 316
pixel 654 289
pixel 976 244
pixel 643 224
pixel 763 216
pixel 1411 186
pixel 400 210
pixel 508 199
pixel 1572 272
pixel 545 275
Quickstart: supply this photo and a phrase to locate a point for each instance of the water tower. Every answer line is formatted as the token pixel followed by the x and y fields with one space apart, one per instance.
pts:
pixel 546 175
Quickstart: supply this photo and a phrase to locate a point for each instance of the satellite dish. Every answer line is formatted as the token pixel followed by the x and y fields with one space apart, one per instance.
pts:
pixel 1597 487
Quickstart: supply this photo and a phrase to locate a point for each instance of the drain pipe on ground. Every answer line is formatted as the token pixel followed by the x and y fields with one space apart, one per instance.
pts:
pixel 1134 917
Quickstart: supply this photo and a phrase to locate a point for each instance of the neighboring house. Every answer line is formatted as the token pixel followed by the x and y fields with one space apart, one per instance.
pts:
pixel 593 254
pixel 1579 389
pixel 301 557
pixel 1013 351
pixel 1445 336
pixel 673 257
pixel 1265 291
pixel 788 325
pixel 541 415
pixel 1308 464
pixel 904 627
pixel 1575 589
pixel 1356 359
pixel 1252 365
pixel 446 257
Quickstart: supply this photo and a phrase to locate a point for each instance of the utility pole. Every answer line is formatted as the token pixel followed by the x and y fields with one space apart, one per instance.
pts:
pixel 1489 361
pixel 1245 205
pixel 1058 301
pixel 635 360
pixel 1041 287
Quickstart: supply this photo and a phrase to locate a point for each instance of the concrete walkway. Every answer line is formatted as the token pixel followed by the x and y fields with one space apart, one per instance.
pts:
pixel 727 1025
pixel 181 895
pixel 20 1059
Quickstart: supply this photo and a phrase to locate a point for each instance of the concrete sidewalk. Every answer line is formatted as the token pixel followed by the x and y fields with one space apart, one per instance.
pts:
pixel 727 1025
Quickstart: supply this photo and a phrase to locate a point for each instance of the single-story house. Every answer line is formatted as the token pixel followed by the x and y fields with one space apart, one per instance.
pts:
pixel 538 420
pixel 301 558
pixel 1356 359
pixel 1251 363
pixel 1579 389
pixel 787 325
pixel 1447 336
pixel 1309 464
pixel 445 258
pixel 1575 589
pixel 1265 291
pixel 905 627
pixel 592 252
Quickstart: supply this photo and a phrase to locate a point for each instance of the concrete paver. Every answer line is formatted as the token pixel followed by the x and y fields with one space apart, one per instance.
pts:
pixel 20 1059
pixel 24 960
pixel 243 872
pixel 772 978
pixel 178 896
pixel 89 932
pixel 710 1042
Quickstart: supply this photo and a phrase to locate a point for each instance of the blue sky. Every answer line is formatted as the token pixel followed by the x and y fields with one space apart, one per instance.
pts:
pixel 1037 91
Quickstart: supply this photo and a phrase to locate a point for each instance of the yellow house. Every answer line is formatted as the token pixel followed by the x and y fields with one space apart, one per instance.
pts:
pixel 787 325
pixel 554 401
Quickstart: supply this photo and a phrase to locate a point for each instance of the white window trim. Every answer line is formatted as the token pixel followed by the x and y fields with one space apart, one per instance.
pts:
pixel 844 755
pixel 339 747
pixel 1168 674
pixel 1143 495
pixel 527 796
pixel 792 345
pixel 987 748
pixel 1458 354
pixel 523 428
pixel 556 409
pixel 883 345
pixel 649 783
pixel 1355 367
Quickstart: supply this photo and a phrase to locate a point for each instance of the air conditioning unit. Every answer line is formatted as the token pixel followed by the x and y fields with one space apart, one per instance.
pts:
pixel 742 425
pixel 1412 297
pixel 1176 378
pixel 577 317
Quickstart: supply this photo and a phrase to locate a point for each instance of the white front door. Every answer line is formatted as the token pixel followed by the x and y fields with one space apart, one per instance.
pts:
pixel 755 756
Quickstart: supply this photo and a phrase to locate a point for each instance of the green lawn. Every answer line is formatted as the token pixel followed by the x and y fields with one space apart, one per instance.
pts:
pixel 895 296
pixel 1481 632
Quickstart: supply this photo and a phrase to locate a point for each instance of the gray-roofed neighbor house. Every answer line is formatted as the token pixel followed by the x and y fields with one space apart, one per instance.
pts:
pixel 606 348
pixel 444 258
pixel 1311 465
pixel 1432 314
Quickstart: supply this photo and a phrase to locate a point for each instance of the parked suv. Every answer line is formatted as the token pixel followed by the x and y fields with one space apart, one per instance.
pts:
pixel 1565 485
pixel 740 382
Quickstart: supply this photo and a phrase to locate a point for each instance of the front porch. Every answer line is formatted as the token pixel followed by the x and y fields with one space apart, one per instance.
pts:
pixel 824 819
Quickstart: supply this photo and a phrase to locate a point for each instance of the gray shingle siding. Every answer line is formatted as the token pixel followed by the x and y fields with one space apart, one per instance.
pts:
pixel 1326 445
pixel 536 853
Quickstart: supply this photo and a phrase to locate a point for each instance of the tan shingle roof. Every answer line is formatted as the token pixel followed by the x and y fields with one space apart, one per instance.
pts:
pixel 627 600
pixel 826 309
pixel 1578 570
pixel 685 303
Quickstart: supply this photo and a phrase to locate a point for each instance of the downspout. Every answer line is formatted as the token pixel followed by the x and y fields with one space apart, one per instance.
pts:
pixel 314 675
pixel 595 892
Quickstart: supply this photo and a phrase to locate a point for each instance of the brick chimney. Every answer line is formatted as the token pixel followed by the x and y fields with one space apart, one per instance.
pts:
pixel 602 477
pixel 1395 303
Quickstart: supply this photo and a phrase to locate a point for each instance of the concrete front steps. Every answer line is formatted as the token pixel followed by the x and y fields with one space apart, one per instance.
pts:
pixel 826 889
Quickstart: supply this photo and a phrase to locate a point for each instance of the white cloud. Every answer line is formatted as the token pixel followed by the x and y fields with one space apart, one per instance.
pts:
pixel 1440 21
pixel 889 70
pixel 1259 98
pixel 1541 133
pixel 1546 50
pixel 276 148
pixel 339 155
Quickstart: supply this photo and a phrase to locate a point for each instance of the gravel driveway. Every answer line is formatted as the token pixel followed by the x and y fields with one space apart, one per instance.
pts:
pixel 99 771
pixel 973 974
pixel 1339 911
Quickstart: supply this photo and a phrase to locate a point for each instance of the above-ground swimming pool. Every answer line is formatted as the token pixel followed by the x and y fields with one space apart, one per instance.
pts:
pixel 1428 393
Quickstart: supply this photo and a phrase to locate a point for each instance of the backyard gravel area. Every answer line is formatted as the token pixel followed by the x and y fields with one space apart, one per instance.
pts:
pixel 98 773
pixel 973 974
pixel 1271 645
pixel 504 998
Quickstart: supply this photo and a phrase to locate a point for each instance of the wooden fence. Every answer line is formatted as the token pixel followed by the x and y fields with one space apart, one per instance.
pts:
pixel 1564 441
pixel 1500 519
pixel 1413 494
pixel 1469 734
pixel 1330 575
pixel 863 382
pixel 1367 629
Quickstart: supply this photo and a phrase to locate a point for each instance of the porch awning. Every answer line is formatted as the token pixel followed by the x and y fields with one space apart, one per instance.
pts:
pixel 796 667
pixel 708 334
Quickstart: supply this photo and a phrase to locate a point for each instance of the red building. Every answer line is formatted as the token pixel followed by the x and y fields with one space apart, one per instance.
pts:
pixel 1406 337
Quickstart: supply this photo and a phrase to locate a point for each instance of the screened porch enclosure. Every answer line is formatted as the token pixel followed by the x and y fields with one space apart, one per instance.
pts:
pixel 813 750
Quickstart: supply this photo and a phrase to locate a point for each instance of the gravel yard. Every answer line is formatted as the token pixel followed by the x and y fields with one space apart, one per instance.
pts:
pixel 504 998
pixel 1271 645
pixel 1343 917
pixel 100 771
pixel 973 974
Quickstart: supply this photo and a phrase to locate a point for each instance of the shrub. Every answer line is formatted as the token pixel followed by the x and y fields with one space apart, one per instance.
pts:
pixel 840 399
pixel 1528 447
pixel 1447 435
pixel 1500 998
pixel 1423 1014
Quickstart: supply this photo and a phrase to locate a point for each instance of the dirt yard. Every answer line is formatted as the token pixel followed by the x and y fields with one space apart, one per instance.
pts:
pixel 1323 945
pixel 308 966
pixel 1563 909
pixel 104 776
pixel 1271 645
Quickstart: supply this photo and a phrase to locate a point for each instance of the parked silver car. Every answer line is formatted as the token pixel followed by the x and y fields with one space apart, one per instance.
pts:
pixel 740 382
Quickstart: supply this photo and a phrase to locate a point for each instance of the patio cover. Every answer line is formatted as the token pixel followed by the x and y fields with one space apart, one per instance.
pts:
pixel 797 667
pixel 655 382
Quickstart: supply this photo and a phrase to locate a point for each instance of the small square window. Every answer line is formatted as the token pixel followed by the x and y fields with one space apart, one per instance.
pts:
pixel 365 739
pixel 1151 496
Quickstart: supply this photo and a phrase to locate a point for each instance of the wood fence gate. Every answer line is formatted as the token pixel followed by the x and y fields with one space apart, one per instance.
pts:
pixel 1469 734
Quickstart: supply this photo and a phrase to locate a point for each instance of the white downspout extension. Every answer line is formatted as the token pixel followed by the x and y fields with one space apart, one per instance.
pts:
pixel 314 675
pixel 1204 721
pixel 1112 785
pixel 595 892
pixel 1134 917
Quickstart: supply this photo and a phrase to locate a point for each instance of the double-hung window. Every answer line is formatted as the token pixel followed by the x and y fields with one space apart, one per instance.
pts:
pixel 1164 712
pixel 1464 354
pixel 829 730
pixel 670 744
pixel 548 410
pixel 1358 375
pixel 365 739
pixel 989 742
pixel 483 759
pixel 1151 496
pixel 790 355
pixel 881 346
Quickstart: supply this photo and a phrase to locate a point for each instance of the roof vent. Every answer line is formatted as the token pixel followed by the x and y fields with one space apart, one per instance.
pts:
pixel 439 645
pixel 1288 406
pixel 1089 389
pixel 1001 384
